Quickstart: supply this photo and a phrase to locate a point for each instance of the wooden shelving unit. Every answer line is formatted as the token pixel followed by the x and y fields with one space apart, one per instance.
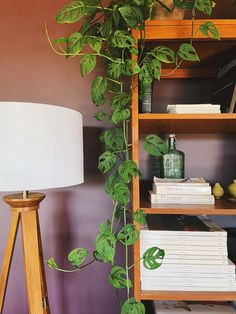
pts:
pixel 171 32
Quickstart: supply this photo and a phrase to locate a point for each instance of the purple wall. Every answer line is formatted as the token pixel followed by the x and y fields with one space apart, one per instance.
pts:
pixel 30 71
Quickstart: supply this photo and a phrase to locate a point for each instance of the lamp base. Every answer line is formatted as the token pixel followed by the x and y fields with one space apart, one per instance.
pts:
pixel 25 210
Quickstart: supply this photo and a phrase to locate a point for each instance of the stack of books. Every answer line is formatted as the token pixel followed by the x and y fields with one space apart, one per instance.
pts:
pixel 191 108
pixel 196 257
pixel 195 307
pixel 181 191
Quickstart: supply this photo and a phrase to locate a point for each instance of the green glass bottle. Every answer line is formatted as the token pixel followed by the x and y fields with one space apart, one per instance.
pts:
pixel 173 161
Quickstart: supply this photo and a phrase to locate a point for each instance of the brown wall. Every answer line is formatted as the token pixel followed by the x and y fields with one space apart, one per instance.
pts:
pixel 30 71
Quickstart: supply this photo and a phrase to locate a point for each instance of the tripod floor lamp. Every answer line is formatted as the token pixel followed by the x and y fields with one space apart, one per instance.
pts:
pixel 41 147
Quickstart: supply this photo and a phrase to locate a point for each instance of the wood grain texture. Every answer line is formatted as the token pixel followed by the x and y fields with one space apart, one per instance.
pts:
pixel 173 32
pixel 181 29
pixel 25 211
pixel 8 257
pixel 187 123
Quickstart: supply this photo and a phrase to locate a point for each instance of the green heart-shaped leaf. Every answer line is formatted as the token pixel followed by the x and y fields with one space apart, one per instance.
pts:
pixel 77 256
pixel 128 234
pixel 154 145
pixel 188 53
pixel 153 257
pixel 118 278
pixel 106 161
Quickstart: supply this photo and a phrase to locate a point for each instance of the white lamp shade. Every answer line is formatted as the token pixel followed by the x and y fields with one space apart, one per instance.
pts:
pixel 41 146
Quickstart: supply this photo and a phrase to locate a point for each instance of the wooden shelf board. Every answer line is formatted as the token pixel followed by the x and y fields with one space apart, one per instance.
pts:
pixel 181 29
pixel 187 123
pixel 221 207
pixel 188 295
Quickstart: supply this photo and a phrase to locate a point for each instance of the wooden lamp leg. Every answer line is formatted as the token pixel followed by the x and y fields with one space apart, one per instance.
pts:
pixel 8 257
pixel 32 248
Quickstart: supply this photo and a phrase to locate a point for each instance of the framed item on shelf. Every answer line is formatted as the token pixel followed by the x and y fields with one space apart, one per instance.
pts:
pixel 225 89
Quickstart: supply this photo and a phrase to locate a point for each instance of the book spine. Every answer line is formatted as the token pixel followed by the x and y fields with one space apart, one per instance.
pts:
pixel 178 251
pixel 185 261
pixel 193 257
pixel 187 235
pixel 187 280
pixel 185 248
pixel 182 199
pixel 148 237
pixel 189 270
pixel 178 189
pixel 170 287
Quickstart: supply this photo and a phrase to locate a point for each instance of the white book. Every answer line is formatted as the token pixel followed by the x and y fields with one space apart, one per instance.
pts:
pixel 166 240
pixel 194 261
pixel 194 307
pixel 189 275
pixel 181 198
pixel 188 252
pixel 184 287
pixel 193 108
pixel 198 181
pixel 200 249
pixel 193 281
pixel 181 189
pixel 193 268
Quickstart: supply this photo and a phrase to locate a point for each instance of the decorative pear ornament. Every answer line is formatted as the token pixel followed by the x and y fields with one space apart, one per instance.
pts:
pixel 217 191
pixel 232 189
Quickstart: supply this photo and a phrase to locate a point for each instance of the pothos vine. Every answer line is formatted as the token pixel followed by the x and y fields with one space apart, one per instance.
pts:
pixel 106 33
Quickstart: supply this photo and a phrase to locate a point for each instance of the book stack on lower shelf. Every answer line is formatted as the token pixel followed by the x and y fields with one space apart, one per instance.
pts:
pixel 195 307
pixel 193 108
pixel 196 257
pixel 181 191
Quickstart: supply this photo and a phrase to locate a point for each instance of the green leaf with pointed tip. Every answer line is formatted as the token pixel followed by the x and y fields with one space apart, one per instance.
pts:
pixel 87 63
pixel 155 66
pixel 120 100
pixel 94 43
pixel 71 13
pixel 99 87
pixel 128 234
pixel 120 115
pixel 118 278
pixel 163 54
pixel 112 180
pixel 100 115
pixel 204 6
pixel 120 193
pixel 132 15
pixel 113 139
pixel 106 161
pixel 145 75
pixel 115 69
pixel 140 216
pixel 51 263
pixel 105 247
pixel 131 306
pixel 128 169
pixel 188 53
pixel 77 256
pixel 153 258
pixel 106 28
pixel 209 29
pixel 122 39
pixel 130 68
pixel 75 44
pixel 154 145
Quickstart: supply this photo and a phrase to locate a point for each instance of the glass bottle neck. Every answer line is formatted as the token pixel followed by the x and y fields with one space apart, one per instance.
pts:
pixel 172 143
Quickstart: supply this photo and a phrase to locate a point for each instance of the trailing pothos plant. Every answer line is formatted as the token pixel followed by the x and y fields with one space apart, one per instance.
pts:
pixel 105 32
